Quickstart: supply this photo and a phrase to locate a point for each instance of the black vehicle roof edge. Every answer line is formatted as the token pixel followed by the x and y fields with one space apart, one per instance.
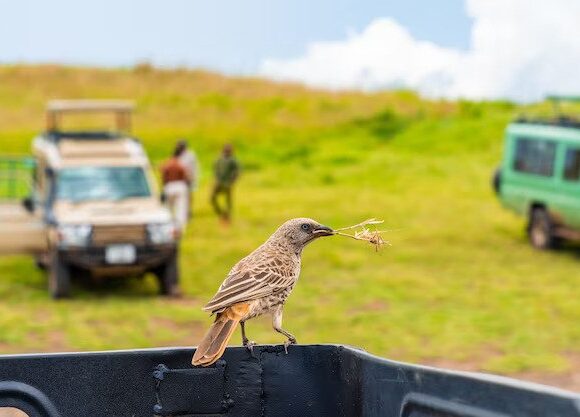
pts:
pixel 561 122
pixel 482 376
pixel 56 136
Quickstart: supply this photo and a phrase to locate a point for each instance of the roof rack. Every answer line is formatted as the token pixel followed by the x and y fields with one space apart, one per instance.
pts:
pixel 557 99
pixel 121 108
pixel 559 119
pixel 562 121
pixel 62 106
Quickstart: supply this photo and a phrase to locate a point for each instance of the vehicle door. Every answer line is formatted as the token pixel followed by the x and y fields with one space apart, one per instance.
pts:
pixel 22 229
pixel 531 177
pixel 568 200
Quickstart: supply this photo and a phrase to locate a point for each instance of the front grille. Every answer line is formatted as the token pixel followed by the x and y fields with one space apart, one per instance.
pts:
pixel 94 256
pixel 119 234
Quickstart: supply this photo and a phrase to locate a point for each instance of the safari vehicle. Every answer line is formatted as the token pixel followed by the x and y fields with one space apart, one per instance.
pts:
pixel 540 176
pixel 93 205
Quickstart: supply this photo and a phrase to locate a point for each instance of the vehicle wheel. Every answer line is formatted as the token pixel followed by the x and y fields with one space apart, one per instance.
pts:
pixel 41 261
pixel 58 277
pixel 168 277
pixel 541 230
pixel 496 180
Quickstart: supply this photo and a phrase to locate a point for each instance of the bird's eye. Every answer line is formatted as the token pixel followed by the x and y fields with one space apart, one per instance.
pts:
pixel 305 226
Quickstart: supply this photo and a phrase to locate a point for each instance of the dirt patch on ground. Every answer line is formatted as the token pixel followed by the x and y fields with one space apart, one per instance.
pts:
pixel 569 380
pixel 5 348
pixel 57 341
pixel 376 305
pixel 53 341
pixel 371 306
pixel 185 301
pixel 195 330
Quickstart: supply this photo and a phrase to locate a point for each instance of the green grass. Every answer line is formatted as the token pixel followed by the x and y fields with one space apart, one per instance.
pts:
pixel 459 284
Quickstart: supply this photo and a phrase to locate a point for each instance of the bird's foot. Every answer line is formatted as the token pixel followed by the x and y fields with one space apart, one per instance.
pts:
pixel 290 341
pixel 249 344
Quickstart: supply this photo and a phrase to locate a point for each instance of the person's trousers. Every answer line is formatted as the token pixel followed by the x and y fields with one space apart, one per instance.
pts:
pixel 218 191
pixel 176 193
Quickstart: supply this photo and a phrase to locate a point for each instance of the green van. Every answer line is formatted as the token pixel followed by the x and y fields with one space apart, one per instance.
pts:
pixel 540 178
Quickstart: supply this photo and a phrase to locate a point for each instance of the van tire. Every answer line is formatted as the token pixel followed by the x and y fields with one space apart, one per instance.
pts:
pixel 58 276
pixel 496 180
pixel 168 277
pixel 41 262
pixel 541 230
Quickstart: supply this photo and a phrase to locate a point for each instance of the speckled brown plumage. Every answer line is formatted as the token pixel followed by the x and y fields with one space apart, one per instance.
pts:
pixel 258 284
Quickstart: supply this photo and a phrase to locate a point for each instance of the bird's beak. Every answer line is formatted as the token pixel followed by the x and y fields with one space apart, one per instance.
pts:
pixel 323 231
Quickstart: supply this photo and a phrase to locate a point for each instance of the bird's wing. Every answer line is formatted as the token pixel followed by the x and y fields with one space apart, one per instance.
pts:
pixel 245 284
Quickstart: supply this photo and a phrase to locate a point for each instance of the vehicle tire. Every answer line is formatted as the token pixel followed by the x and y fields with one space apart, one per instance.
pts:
pixel 541 230
pixel 496 180
pixel 41 262
pixel 168 277
pixel 58 276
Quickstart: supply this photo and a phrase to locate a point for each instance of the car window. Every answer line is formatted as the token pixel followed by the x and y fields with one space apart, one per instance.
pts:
pixel 535 157
pixel 572 165
pixel 101 183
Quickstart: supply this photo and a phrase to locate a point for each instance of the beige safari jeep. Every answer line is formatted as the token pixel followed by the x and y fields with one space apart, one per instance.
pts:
pixel 94 206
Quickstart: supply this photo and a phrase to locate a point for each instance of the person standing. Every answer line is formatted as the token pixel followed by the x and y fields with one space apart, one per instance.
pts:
pixel 226 171
pixel 189 161
pixel 175 188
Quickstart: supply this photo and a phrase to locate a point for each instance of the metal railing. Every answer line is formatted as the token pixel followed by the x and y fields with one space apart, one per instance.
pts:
pixel 16 176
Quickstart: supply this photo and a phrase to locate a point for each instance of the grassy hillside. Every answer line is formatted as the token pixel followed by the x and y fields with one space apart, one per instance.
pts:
pixel 459 286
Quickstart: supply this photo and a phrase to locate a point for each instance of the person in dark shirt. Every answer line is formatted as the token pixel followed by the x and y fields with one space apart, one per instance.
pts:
pixel 226 170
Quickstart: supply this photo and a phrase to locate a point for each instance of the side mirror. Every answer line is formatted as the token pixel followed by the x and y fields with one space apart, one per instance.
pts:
pixel 163 198
pixel 28 204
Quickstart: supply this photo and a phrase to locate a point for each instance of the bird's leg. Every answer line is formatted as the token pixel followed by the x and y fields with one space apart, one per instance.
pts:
pixel 277 325
pixel 249 344
pixel 244 338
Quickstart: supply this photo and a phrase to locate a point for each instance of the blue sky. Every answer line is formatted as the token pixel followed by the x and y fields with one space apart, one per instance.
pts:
pixel 227 35
pixel 479 49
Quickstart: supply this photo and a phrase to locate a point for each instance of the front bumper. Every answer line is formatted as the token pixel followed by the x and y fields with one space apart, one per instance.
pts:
pixel 93 257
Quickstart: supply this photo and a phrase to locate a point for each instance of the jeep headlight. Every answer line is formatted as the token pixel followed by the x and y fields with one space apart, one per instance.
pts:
pixel 74 234
pixel 161 232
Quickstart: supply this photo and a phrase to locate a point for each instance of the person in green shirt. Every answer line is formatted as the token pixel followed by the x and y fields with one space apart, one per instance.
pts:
pixel 226 170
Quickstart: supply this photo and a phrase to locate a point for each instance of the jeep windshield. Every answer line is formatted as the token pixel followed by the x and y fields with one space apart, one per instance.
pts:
pixel 101 183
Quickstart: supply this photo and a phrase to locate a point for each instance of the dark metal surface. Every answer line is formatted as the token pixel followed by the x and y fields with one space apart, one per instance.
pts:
pixel 319 380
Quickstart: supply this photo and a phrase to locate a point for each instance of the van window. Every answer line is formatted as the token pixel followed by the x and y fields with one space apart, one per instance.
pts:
pixel 101 183
pixel 572 165
pixel 535 157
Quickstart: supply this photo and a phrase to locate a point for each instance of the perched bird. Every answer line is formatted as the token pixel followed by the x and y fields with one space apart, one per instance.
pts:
pixel 260 283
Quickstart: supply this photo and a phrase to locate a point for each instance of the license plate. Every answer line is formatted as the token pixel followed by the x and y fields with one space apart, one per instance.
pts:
pixel 120 254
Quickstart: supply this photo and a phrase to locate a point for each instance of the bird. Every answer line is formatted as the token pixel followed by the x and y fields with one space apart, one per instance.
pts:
pixel 258 284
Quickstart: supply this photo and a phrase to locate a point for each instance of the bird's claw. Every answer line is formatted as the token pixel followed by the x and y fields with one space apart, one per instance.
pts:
pixel 289 342
pixel 249 344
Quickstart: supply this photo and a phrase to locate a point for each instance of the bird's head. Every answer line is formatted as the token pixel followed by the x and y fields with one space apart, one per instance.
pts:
pixel 301 231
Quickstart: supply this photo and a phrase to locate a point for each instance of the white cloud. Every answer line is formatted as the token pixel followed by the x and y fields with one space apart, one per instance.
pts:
pixel 519 49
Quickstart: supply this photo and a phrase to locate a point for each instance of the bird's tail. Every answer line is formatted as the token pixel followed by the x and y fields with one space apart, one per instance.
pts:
pixel 217 337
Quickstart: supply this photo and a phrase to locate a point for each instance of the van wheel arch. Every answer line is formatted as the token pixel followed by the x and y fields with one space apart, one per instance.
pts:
pixel 168 276
pixel 59 276
pixel 541 228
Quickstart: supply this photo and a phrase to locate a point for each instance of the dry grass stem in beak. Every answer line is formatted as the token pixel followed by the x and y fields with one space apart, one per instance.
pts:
pixel 365 234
